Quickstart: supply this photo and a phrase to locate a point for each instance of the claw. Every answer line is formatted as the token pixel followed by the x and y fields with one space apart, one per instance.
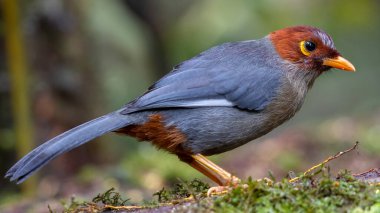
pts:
pixel 218 190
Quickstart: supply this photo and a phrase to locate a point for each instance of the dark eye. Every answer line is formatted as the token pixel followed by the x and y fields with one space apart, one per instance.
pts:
pixel 310 46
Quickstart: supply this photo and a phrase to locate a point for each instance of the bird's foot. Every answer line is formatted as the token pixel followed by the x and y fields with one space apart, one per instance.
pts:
pixel 219 190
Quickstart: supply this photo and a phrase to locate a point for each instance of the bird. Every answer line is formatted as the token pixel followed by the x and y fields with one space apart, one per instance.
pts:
pixel 218 100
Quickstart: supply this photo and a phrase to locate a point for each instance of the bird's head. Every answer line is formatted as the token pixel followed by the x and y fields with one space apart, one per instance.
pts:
pixel 309 48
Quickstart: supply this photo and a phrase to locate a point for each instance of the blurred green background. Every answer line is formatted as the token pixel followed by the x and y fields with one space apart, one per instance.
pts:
pixel 82 59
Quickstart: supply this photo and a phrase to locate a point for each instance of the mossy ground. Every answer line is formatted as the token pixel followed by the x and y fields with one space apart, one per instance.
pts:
pixel 319 192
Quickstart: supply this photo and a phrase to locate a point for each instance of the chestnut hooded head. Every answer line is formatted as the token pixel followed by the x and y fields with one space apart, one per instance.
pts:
pixel 309 48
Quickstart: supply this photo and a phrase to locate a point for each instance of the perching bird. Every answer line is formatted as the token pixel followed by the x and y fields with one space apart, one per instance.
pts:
pixel 216 101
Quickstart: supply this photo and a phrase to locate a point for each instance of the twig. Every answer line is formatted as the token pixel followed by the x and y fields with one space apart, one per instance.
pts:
pixel 123 207
pixel 370 176
pixel 337 155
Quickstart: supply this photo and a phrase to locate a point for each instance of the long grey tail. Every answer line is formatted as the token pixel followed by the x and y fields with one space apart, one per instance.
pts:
pixel 64 142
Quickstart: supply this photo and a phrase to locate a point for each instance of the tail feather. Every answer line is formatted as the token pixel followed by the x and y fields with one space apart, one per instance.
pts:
pixel 66 142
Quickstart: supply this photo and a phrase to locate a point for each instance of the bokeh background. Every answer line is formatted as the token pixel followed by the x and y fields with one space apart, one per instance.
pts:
pixel 65 62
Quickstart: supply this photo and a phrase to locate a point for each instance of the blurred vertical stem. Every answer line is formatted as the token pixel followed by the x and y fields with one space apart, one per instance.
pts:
pixel 18 75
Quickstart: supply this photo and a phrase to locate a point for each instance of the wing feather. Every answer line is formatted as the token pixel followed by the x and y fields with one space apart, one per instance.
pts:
pixel 232 74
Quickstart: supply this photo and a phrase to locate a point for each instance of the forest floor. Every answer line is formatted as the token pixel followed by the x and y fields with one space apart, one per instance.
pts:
pixel 316 190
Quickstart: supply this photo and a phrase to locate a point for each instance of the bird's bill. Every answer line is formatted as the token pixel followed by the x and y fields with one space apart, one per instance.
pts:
pixel 339 63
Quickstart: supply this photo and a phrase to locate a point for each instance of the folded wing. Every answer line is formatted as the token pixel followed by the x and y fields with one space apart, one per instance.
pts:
pixel 230 75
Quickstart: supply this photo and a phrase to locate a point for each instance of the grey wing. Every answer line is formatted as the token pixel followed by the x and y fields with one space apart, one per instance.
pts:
pixel 229 75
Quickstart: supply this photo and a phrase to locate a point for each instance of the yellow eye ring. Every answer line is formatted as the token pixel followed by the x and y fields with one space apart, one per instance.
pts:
pixel 303 48
pixel 307 47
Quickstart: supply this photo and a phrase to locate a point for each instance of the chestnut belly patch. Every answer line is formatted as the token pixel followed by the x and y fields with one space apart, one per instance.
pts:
pixel 164 137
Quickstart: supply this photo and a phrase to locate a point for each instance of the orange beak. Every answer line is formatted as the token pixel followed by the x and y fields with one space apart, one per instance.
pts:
pixel 339 63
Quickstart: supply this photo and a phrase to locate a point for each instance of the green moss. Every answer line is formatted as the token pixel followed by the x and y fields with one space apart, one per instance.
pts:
pixel 310 194
pixel 98 204
pixel 73 205
pixel 194 188
pixel 317 192
pixel 110 197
